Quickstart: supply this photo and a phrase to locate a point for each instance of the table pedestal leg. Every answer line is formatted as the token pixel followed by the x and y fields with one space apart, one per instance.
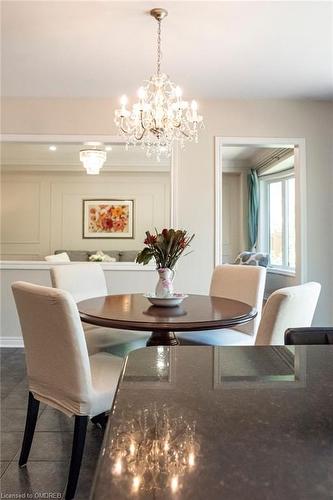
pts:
pixel 161 337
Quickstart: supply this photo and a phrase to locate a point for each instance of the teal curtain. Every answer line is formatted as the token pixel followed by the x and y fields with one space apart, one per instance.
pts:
pixel 253 192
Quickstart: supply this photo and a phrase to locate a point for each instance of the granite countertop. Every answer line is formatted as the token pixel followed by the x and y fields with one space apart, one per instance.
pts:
pixel 231 423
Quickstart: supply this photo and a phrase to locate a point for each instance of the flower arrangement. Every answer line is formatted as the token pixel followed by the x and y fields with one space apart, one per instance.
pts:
pixel 166 247
pixel 100 256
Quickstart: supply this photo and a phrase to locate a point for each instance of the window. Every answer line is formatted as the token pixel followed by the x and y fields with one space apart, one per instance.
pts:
pixel 277 220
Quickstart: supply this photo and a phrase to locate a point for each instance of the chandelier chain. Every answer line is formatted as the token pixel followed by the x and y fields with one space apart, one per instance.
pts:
pixel 159 47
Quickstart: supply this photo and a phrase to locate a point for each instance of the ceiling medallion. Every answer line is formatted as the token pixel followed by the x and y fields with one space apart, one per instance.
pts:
pixel 160 116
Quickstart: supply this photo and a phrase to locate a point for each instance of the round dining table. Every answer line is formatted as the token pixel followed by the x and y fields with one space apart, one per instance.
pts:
pixel 134 312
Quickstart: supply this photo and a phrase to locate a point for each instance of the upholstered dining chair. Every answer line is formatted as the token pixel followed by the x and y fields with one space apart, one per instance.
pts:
pixel 309 336
pixel 59 257
pixel 85 281
pixel 290 307
pixel 293 306
pixel 243 283
pixel 60 371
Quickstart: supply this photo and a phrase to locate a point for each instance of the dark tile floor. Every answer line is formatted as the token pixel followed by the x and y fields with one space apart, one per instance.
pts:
pixel 47 468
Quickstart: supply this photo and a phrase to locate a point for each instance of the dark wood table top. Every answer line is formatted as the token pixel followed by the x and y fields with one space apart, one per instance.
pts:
pixel 134 312
pixel 241 423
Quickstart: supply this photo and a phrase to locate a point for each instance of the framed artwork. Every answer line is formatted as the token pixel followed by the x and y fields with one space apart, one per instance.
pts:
pixel 108 218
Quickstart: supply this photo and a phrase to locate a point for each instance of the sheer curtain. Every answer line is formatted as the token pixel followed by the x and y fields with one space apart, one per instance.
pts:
pixel 253 191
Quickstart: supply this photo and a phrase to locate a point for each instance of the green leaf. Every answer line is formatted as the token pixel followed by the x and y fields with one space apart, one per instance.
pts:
pixel 144 256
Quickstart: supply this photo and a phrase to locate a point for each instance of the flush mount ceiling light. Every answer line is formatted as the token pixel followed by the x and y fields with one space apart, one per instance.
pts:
pixel 160 116
pixel 93 157
pixel 53 148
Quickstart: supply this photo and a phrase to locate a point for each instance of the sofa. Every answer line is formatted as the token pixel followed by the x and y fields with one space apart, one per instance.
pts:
pixel 83 255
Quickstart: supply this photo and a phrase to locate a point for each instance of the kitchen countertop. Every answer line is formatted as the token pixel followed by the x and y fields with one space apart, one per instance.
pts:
pixel 231 423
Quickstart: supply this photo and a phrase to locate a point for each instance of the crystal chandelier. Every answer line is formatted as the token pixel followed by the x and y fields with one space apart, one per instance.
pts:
pixel 93 157
pixel 160 116
pixel 153 451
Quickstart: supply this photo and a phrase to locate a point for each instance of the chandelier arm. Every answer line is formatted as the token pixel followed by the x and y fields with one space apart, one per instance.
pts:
pixel 141 121
pixel 180 130
pixel 141 136
pixel 177 125
pixel 122 127
pixel 154 130
pixel 124 130
pixel 184 133
pixel 154 122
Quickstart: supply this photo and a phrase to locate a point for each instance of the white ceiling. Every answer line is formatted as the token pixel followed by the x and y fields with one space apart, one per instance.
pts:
pixel 253 49
pixel 243 153
pixel 250 156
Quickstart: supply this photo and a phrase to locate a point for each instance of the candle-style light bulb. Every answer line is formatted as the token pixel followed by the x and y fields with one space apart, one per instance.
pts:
pixel 174 484
pixel 123 100
pixel 178 92
pixel 118 467
pixel 194 106
pixel 132 448
pixel 141 93
pixel 136 484
pixel 191 459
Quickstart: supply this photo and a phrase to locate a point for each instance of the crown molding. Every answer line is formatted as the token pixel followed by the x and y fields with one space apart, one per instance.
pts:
pixel 74 167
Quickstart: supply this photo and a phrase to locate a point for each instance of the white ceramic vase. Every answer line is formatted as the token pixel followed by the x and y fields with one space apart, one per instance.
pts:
pixel 164 287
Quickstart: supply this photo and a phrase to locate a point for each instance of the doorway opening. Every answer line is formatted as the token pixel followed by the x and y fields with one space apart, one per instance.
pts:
pixel 260 205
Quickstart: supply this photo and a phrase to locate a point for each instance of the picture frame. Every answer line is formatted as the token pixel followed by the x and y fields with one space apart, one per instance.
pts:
pixel 108 218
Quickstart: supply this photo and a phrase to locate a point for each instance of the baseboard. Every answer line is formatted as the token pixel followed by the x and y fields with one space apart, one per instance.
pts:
pixel 11 342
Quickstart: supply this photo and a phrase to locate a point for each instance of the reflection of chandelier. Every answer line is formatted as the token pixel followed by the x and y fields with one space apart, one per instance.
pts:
pixel 160 116
pixel 93 157
pixel 153 451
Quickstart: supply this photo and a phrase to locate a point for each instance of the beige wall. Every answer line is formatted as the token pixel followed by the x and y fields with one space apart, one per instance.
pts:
pixel 261 118
pixel 42 212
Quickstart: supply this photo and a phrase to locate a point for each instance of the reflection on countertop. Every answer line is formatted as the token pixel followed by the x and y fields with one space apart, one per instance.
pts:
pixel 226 422
pixel 152 450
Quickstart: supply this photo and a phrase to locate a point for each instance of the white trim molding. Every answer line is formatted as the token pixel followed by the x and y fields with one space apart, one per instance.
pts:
pixel 47 138
pixel 11 342
pixel 106 266
pixel 300 196
pixel 175 166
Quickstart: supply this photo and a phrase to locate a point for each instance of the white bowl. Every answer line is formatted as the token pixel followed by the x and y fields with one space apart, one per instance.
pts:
pixel 172 301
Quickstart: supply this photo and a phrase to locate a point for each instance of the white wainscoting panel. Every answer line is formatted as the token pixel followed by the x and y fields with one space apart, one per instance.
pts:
pixel 25 216
pixel 42 212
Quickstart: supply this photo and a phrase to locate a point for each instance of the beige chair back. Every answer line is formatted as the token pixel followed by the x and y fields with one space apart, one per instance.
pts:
pixel 243 283
pixel 82 281
pixel 290 307
pixel 55 347
pixel 57 257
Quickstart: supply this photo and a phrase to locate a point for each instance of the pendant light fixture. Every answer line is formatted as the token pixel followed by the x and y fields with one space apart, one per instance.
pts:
pixel 93 157
pixel 161 116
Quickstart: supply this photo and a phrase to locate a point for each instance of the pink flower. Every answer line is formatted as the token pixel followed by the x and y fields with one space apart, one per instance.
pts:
pixel 118 225
pixel 107 223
